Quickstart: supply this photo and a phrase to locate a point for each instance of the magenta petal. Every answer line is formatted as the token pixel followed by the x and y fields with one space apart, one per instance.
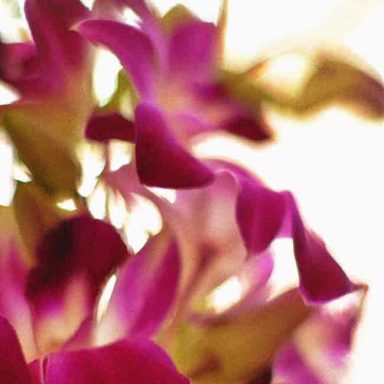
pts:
pixel 321 277
pixel 59 49
pixel 107 126
pixel 145 291
pixel 17 62
pixel 291 366
pixel 131 46
pixel 36 371
pixel 192 51
pixel 75 259
pixel 250 127
pixel 13 368
pixel 260 213
pixel 137 361
pixel 161 160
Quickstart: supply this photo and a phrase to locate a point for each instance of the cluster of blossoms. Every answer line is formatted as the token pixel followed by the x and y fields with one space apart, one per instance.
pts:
pixel 157 326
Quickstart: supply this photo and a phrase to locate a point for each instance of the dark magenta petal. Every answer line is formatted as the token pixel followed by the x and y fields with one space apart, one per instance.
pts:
pixel 321 277
pixel 74 261
pixel 145 291
pixel 254 128
pixel 161 160
pixel 192 51
pixel 131 46
pixel 260 213
pixel 36 371
pixel 59 50
pixel 103 127
pixel 17 62
pixel 264 214
pixel 136 361
pixel 13 368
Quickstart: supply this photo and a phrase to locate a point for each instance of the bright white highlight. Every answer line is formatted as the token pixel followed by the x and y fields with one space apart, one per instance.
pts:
pixel 225 295
pixel 105 297
pixel 67 205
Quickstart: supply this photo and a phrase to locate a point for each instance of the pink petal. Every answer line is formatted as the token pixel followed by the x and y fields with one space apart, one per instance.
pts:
pixel 260 212
pixel 60 50
pixel 13 368
pixel 17 62
pixel 145 291
pixel 136 361
pixel 74 261
pixel 192 51
pixel 161 160
pixel 263 214
pixel 131 46
pixel 321 277
pixel 36 371
pixel 107 126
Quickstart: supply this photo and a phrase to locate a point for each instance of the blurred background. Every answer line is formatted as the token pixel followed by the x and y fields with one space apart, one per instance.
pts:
pixel 332 161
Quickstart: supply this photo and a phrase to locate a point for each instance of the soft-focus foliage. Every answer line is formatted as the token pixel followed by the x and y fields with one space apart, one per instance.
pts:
pixel 81 300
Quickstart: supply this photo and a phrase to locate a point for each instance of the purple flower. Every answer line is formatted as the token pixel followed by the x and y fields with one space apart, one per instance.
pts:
pixel 52 307
pixel 174 68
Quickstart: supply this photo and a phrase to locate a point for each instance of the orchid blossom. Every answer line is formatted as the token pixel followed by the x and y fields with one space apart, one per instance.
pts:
pixel 174 66
pixel 214 249
pixel 52 306
pixel 77 304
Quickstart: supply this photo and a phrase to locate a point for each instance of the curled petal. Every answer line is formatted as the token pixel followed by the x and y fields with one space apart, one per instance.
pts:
pixel 136 361
pixel 13 368
pixel 133 48
pixel 321 277
pixel 108 126
pixel 145 291
pixel 263 215
pixel 161 160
